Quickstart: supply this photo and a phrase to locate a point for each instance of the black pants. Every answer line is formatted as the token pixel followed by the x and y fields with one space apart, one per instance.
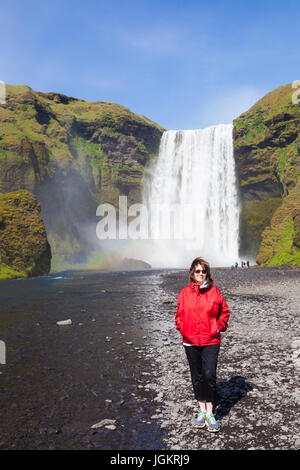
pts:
pixel 203 365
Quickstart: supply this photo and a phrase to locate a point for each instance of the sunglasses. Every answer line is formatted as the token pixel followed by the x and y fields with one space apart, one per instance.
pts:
pixel 199 271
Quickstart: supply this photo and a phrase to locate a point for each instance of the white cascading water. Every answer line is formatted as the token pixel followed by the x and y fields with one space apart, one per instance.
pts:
pixel 194 178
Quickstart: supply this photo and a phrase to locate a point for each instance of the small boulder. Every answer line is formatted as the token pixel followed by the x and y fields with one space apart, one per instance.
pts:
pixel 64 322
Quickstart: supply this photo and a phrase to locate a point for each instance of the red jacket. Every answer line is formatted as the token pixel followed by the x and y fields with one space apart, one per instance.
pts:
pixel 200 313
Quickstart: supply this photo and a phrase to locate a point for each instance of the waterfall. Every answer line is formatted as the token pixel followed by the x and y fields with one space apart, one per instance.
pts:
pixel 191 195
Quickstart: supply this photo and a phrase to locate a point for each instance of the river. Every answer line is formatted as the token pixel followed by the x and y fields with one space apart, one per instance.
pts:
pixel 58 381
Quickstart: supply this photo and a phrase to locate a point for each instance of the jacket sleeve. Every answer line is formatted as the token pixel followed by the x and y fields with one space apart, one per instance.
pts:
pixel 179 310
pixel 223 315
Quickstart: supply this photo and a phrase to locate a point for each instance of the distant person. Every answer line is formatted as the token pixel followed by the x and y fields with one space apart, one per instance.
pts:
pixel 236 264
pixel 248 264
pixel 201 315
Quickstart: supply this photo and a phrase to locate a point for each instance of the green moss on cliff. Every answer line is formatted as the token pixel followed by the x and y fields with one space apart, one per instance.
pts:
pixel 266 147
pixel 255 217
pixel 288 165
pixel 8 273
pixel 280 240
pixel 24 248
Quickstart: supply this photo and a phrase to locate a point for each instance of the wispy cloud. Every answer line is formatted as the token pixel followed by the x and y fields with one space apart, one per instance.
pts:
pixel 159 41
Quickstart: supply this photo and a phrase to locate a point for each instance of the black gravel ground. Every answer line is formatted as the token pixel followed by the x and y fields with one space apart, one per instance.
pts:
pixel 258 369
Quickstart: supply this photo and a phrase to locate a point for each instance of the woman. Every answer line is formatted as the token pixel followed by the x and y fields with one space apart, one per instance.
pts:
pixel 201 315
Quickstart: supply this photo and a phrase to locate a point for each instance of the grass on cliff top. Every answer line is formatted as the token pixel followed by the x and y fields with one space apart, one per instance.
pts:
pixel 275 102
pixel 280 96
pixel 85 110
pixel 252 125
pixel 45 118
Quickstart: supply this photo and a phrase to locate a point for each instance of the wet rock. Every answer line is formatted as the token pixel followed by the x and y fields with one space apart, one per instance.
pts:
pixel 158 397
pixel 64 322
pixel 112 427
pixel 104 422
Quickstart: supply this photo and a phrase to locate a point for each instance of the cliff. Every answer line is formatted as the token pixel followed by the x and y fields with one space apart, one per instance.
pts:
pixel 72 155
pixel 266 149
pixel 24 248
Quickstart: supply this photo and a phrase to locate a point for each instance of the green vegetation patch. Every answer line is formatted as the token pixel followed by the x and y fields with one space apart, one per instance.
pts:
pixel 23 242
pixel 9 273
pixel 255 217
pixel 81 149
pixel 280 240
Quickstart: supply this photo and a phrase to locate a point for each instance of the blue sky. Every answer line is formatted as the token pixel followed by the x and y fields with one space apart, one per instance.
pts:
pixel 183 64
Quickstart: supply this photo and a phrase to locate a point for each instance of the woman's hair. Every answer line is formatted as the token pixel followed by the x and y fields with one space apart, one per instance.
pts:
pixel 203 263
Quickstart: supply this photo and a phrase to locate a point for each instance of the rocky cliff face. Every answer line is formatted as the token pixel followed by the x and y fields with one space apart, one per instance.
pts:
pixel 266 147
pixel 73 155
pixel 24 248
